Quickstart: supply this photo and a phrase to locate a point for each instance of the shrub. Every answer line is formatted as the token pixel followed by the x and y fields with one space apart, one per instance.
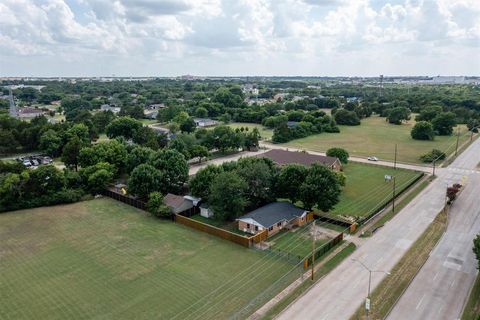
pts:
pixel 339 153
pixel 157 207
pixel 423 130
pixel 433 155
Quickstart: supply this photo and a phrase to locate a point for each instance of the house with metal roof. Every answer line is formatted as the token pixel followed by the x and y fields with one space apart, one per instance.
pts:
pixel 272 217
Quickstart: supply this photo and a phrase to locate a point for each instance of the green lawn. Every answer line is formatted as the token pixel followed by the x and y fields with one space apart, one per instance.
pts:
pixel 366 188
pixel 265 133
pixel 297 242
pixel 105 260
pixel 148 121
pixel 376 137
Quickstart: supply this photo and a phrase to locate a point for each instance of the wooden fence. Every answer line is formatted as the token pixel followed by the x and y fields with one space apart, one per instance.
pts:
pixel 125 199
pixel 221 233
pixel 323 249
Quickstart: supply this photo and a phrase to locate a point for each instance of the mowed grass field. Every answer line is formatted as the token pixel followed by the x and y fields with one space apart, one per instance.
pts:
pixel 366 189
pixel 376 137
pixel 105 260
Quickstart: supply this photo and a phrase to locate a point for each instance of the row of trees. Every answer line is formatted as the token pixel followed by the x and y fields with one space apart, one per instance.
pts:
pixel 233 187
pixel 433 121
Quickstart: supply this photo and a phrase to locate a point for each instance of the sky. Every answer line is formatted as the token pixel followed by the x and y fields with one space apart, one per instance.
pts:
pixel 239 37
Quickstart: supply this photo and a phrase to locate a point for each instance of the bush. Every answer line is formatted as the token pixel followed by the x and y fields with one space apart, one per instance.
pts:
pixel 423 130
pixel 157 207
pixel 433 155
pixel 339 153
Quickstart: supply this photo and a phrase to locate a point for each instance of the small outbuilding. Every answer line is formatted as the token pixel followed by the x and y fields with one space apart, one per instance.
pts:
pixel 184 205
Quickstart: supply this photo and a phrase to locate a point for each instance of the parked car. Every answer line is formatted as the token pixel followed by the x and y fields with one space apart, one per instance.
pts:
pixel 35 162
pixel 372 159
pixel 27 163
pixel 46 160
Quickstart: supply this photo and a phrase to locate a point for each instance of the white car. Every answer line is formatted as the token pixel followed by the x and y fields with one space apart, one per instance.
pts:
pixel 372 159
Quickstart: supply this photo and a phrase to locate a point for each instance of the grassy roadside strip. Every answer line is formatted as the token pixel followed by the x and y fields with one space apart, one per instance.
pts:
pixel 461 148
pixel 386 295
pixel 399 205
pixel 300 290
pixel 472 308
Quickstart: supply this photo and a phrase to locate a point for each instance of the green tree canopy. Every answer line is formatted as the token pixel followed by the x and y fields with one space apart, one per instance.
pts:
pixel 123 127
pixel 423 130
pixel 227 195
pixel 443 123
pixel 199 184
pixel 339 153
pixel 321 188
pixel 289 179
pixel 143 180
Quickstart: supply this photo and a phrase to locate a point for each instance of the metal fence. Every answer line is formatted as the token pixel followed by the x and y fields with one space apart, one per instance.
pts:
pixel 322 250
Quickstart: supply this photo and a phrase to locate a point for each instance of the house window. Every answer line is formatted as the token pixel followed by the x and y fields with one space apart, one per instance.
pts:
pixel 279 224
pixel 270 229
pixel 256 228
pixel 248 225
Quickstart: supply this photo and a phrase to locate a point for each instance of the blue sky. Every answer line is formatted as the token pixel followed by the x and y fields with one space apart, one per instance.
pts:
pixel 239 37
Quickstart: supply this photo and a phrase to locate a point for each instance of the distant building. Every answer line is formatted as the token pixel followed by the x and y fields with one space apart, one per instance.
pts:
pixel 107 107
pixel 28 112
pixel 151 115
pixel 283 157
pixel 156 106
pixel 204 122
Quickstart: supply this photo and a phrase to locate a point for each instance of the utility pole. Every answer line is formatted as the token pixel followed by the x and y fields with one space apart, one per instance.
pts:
pixel 314 232
pixel 370 271
pixel 395 161
pixel 393 199
pixel 456 147
pixel 433 173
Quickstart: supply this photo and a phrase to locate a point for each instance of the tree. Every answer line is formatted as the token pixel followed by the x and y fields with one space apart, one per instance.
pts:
pixel 259 174
pixel 157 207
pixel 123 126
pixel 199 184
pixel 137 156
pixel 113 152
pixel 97 177
pixel 80 131
pixel 398 114
pixel 174 169
pixel 476 249
pixel 321 188
pixel 188 125
pixel 223 138
pixel 443 123
pixel 252 139
pixel 227 195
pixel 201 112
pixel 70 152
pixel 428 113
pixel 345 117
pixel 473 125
pixel 423 130
pixel 291 176
pixel 51 143
pixel 339 153
pixel 198 151
pixel 144 179
pixel 102 119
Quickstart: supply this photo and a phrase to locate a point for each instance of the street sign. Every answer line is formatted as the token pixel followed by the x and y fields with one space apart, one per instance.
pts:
pixel 367 304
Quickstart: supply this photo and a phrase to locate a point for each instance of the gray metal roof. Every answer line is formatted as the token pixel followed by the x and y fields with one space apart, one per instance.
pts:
pixel 273 213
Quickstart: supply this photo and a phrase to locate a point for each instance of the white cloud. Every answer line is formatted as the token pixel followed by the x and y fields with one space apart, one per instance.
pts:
pixel 246 36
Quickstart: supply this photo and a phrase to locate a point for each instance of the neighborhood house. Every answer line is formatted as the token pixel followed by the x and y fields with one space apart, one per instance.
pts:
pixel 283 157
pixel 203 122
pixel 272 217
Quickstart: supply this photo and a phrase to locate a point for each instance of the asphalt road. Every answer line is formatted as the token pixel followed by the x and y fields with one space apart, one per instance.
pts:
pixel 441 288
pixel 418 167
pixel 342 291
pixel 13 108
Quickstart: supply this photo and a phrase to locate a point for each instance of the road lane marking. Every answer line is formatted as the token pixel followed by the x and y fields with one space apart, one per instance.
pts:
pixel 435 277
pixel 420 302
pixel 452 283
